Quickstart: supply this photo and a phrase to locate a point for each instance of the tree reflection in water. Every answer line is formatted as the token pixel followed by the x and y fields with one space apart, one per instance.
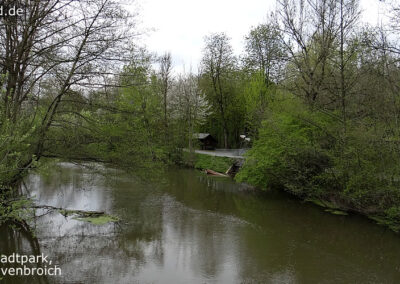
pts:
pixel 190 228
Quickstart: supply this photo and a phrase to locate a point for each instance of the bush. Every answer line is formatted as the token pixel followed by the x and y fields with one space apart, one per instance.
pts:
pixel 288 152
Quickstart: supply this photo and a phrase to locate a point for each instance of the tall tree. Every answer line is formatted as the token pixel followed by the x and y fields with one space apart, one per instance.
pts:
pixel 218 64
pixel 265 51
pixel 310 29
pixel 349 14
pixel 189 105
pixel 165 77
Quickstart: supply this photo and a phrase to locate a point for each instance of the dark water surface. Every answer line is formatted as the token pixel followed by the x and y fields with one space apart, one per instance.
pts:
pixel 190 228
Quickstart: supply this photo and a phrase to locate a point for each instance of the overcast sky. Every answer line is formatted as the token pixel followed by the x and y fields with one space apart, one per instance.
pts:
pixel 179 26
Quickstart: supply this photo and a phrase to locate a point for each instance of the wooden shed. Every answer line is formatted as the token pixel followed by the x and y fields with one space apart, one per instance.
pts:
pixel 206 141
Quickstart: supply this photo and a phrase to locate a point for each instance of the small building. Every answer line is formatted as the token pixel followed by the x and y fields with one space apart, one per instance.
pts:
pixel 206 141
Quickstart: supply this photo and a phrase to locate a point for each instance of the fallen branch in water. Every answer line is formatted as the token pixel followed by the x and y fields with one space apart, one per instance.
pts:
pixel 68 212
pixel 94 217
pixel 214 173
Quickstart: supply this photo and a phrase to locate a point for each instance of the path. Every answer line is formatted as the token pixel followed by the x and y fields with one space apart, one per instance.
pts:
pixel 230 153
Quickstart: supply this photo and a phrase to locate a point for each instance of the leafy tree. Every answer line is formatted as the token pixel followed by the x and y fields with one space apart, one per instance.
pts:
pixel 218 66
pixel 265 52
pixel 189 106
pixel 62 47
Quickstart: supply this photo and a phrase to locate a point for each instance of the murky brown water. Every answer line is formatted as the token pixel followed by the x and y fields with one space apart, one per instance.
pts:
pixel 189 228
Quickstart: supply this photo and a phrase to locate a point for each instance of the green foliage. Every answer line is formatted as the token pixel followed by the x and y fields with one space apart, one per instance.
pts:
pixel 306 153
pixel 15 150
pixel 256 98
pixel 265 51
pixel 369 172
pixel 287 152
pixel 124 128
pixel 14 209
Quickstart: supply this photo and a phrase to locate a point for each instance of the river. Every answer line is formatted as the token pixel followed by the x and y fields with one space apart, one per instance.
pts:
pixel 190 228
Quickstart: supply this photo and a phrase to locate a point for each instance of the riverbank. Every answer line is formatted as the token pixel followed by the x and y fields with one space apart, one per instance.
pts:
pixel 338 204
pixel 309 181
pixel 332 203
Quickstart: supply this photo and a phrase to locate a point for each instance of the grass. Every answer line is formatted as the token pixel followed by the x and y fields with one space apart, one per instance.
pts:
pixel 202 161
pixel 98 220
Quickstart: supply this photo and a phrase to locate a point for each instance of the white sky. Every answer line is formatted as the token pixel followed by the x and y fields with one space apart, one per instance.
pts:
pixel 179 26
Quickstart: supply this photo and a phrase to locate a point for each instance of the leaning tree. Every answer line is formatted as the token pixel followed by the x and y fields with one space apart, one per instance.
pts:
pixel 56 48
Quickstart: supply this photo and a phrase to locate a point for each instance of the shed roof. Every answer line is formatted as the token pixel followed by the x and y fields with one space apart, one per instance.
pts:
pixel 201 135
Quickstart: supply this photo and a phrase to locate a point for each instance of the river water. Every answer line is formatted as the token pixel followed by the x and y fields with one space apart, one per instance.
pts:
pixel 190 228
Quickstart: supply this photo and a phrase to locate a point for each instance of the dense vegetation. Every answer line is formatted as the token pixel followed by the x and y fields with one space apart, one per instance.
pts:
pixel 316 91
pixel 331 130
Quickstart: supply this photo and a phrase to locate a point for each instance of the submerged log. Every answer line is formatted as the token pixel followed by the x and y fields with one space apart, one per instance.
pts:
pixel 67 212
pixel 94 217
pixel 214 173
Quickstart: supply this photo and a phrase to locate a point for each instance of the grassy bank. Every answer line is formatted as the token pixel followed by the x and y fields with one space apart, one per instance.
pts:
pixel 201 162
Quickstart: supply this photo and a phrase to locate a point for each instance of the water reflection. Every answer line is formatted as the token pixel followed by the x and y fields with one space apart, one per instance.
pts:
pixel 18 240
pixel 189 228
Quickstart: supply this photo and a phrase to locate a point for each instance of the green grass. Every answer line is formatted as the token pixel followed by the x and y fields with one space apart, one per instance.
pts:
pixel 98 220
pixel 201 162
